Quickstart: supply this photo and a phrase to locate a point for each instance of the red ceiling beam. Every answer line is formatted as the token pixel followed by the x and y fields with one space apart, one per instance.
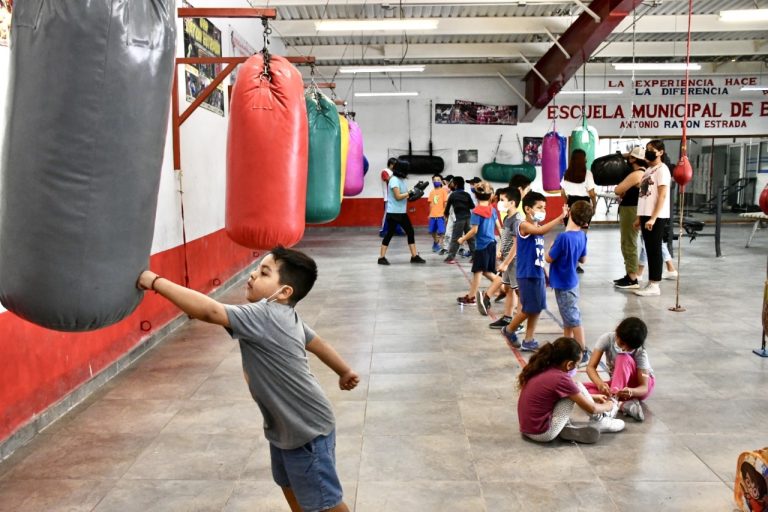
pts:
pixel 580 40
pixel 226 12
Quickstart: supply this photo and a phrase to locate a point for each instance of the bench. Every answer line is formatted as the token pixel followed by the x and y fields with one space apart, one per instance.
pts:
pixel 610 199
pixel 761 222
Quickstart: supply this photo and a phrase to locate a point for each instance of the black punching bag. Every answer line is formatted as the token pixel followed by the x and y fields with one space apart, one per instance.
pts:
pixel 610 169
pixel 88 104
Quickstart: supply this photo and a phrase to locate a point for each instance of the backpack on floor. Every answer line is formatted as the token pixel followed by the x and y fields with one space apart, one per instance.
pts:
pixel 750 491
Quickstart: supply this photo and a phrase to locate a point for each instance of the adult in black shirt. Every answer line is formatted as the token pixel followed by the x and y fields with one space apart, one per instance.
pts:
pixel 461 203
pixel 628 191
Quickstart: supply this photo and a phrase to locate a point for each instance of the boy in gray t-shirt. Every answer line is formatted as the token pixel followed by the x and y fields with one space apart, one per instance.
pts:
pixel 298 418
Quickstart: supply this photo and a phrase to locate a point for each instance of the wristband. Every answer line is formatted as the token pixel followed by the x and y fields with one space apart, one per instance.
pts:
pixel 152 286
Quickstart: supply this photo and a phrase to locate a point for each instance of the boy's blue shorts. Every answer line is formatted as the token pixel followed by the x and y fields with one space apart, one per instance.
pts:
pixel 568 304
pixel 310 472
pixel 533 294
pixel 437 225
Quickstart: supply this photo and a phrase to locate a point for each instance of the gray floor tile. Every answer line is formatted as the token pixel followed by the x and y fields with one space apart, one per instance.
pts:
pixel 407 458
pixel 166 495
pixel 39 494
pixel 418 495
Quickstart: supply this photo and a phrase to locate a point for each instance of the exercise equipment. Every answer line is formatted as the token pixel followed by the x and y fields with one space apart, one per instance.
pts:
pixel 353 184
pixel 750 489
pixel 502 173
pixel 563 154
pixel 585 138
pixel 551 151
pixel 422 164
pixel 762 351
pixel 89 99
pixel 344 140
pixel 764 200
pixel 266 154
pixel 323 199
pixel 417 192
pixel 610 169
pixel 366 165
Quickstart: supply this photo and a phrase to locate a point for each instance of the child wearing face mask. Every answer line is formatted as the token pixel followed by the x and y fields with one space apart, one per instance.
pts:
pixel 530 269
pixel 298 417
pixel 548 393
pixel 631 376
pixel 437 199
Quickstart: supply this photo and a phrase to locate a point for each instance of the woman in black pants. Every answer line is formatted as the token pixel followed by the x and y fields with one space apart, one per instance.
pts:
pixel 653 213
pixel 397 208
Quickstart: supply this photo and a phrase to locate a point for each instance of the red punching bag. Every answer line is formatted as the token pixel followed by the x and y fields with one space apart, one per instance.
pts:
pixel 683 172
pixel 267 155
pixel 764 200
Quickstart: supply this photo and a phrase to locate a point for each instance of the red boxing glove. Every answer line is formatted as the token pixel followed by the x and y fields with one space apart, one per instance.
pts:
pixel 385 176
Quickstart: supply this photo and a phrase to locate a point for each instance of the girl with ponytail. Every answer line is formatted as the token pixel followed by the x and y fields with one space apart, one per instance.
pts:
pixel 548 393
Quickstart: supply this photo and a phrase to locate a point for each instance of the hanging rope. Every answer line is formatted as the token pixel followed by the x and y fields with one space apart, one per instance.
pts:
pixel 183 230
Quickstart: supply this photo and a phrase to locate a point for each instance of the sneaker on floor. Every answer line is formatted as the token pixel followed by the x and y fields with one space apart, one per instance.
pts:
pixel 435 247
pixel 466 300
pixel 511 337
pixel 670 275
pixel 383 261
pixel 587 434
pixel 626 283
pixel 500 323
pixel 482 306
pixel 530 346
pixel 608 424
pixel 443 252
pixel 633 409
pixel 585 357
pixel 500 297
pixel 625 276
pixel 417 259
pixel 520 328
pixel 651 290
pixel 450 260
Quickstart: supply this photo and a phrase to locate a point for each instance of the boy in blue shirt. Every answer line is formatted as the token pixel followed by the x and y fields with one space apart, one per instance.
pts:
pixel 570 249
pixel 483 224
pixel 530 269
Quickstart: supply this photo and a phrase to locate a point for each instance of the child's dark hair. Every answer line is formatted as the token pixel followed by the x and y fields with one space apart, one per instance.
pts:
pixel 549 355
pixel 754 475
pixel 458 182
pixel 531 198
pixel 519 181
pixel 657 145
pixel 437 176
pixel 512 194
pixel 483 191
pixel 581 213
pixel 296 270
pixel 632 331
pixel 391 162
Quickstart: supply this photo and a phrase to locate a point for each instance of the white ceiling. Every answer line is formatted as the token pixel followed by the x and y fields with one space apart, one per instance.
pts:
pixel 486 37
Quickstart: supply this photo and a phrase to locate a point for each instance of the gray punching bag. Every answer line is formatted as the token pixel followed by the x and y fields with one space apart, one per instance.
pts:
pixel 88 104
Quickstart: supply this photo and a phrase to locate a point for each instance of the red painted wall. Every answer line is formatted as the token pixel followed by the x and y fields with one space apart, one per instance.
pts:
pixel 41 366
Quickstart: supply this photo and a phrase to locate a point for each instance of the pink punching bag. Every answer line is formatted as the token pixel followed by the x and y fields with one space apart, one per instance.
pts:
pixel 550 162
pixel 764 200
pixel 353 185
pixel 683 172
pixel 267 155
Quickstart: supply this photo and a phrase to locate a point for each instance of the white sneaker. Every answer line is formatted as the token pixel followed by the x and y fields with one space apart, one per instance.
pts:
pixel 670 275
pixel 633 409
pixel 649 291
pixel 607 424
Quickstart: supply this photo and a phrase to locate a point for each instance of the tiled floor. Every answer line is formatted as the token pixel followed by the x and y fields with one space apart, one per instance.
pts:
pixel 433 425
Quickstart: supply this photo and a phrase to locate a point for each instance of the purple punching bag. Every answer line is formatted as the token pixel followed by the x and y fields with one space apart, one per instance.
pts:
pixel 550 162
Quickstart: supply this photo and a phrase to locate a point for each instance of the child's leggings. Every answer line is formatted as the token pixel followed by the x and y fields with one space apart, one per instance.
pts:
pixel 560 417
pixel 625 375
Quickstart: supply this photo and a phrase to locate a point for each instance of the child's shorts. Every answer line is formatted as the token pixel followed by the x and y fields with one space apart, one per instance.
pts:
pixel 533 294
pixel 568 304
pixel 508 277
pixel 437 225
pixel 310 472
pixel 484 260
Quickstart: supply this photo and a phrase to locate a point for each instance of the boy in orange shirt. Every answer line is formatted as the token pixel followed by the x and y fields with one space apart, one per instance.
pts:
pixel 437 199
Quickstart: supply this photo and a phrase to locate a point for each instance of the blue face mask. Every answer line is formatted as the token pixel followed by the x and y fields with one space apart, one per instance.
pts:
pixel 437 184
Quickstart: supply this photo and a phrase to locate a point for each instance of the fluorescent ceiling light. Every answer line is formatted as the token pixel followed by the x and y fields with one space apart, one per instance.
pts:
pixel 382 94
pixel 655 66
pixel 385 25
pixel 744 15
pixel 381 69
pixel 755 88
pixel 607 91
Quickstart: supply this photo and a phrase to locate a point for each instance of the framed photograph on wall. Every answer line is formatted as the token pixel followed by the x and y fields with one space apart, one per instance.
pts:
pixel 467 156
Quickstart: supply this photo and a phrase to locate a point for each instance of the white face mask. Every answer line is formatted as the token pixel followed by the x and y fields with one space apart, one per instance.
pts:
pixel 620 350
pixel 539 216
pixel 572 373
pixel 270 299
pixel 503 207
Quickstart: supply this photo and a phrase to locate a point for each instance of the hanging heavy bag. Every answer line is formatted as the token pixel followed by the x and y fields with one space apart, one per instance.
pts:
pixel 610 170
pixel 563 155
pixel 353 184
pixel 502 173
pixel 344 141
pixel 266 155
pixel 550 162
pixel 585 138
pixel 323 198
pixel 89 96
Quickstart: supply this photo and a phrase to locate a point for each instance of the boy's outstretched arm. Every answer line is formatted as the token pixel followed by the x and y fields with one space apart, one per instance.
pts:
pixel 193 303
pixel 529 228
pixel 469 234
pixel 348 378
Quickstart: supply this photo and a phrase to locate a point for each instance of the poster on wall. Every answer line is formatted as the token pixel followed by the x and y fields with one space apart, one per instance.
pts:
pixel 5 21
pixel 532 150
pixel 467 156
pixel 469 112
pixel 240 48
pixel 203 39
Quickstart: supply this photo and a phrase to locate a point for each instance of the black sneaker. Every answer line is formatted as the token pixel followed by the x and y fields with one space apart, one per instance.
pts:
pixel 500 323
pixel 482 303
pixel 383 261
pixel 500 297
pixel 621 278
pixel 417 259
pixel 626 283
pixel 579 270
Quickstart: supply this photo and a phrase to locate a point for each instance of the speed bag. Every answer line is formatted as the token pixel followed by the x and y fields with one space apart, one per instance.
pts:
pixel 550 162
pixel 89 94
pixel 683 172
pixel 344 124
pixel 610 170
pixel 266 155
pixel 353 184
pixel 585 138
pixel 323 197
pixel 764 200
pixel 502 173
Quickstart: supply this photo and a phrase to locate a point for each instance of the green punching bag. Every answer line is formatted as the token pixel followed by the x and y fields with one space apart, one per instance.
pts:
pixel 324 175
pixel 585 137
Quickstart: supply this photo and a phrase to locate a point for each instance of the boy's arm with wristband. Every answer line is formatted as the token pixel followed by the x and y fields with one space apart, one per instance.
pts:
pixel 193 303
